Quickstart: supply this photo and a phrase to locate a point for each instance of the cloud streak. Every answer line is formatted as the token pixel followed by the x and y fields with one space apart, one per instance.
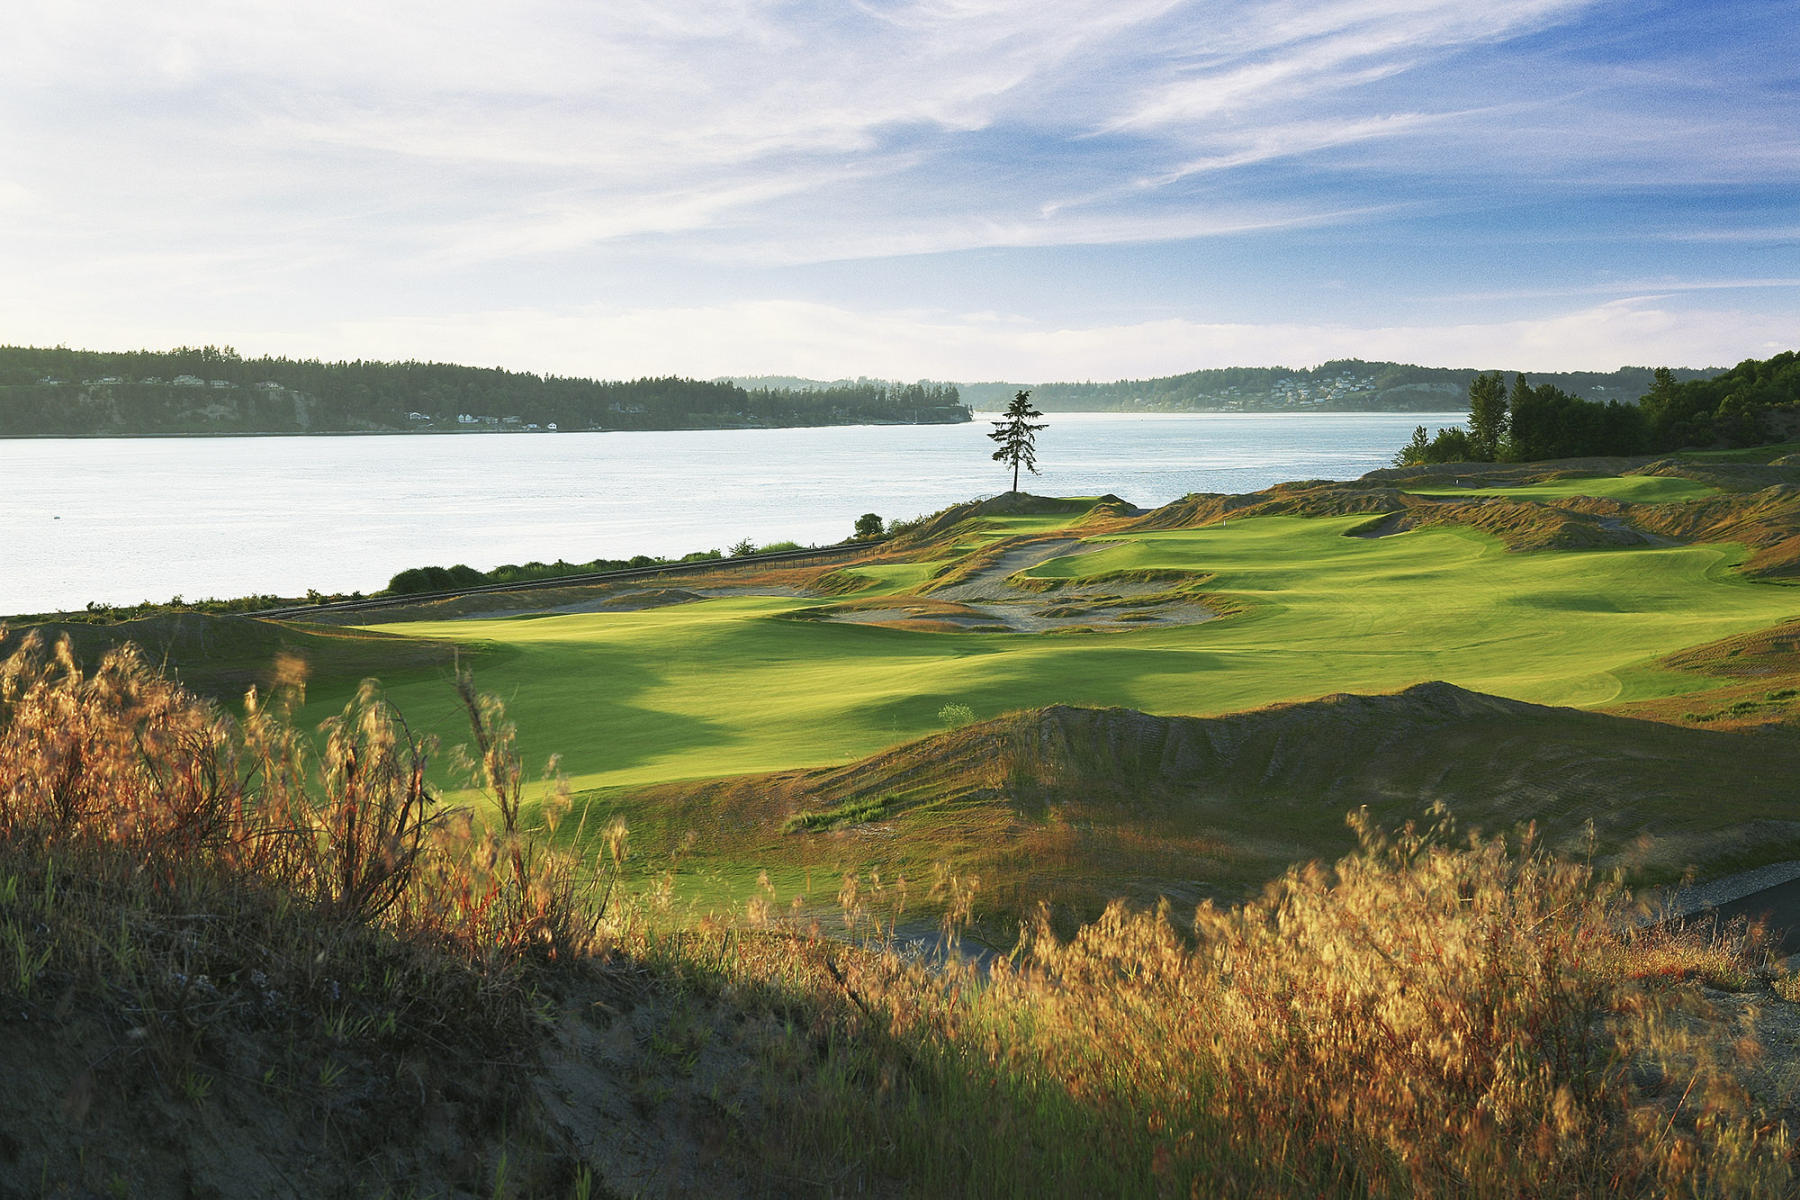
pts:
pixel 340 162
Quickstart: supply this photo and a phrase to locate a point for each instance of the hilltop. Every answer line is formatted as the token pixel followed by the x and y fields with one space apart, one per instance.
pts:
pixel 1343 385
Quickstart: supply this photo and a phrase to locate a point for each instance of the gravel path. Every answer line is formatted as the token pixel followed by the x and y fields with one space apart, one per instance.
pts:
pixel 1727 889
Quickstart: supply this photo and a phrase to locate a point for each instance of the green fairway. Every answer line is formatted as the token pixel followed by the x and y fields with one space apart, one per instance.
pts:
pixel 1635 489
pixel 1751 454
pixel 887 579
pixel 726 686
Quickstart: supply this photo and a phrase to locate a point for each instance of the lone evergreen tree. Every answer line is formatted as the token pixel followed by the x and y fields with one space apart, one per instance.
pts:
pixel 1017 436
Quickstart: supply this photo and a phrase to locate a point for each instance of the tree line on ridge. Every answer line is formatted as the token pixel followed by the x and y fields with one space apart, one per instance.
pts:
pixel 63 392
pixel 1755 403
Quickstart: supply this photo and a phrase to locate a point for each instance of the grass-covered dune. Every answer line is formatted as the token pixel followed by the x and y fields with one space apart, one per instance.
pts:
pixel 1073 807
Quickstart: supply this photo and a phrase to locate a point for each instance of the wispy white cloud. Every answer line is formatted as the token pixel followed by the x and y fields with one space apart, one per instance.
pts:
pixel 1628 291
pixel 1271 55
pixel 1055 228
pixel 342 161
pixel 1755 234
pixel 713 113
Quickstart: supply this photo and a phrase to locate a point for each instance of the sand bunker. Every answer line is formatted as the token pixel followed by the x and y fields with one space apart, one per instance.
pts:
pixel 986 601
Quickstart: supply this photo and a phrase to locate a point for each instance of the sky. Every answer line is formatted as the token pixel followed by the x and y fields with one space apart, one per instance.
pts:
pixel 943 189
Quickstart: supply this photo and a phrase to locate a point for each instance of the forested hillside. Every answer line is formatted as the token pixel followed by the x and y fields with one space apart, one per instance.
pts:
pixel 1755 403
pixel 1344 385
pixel 212 390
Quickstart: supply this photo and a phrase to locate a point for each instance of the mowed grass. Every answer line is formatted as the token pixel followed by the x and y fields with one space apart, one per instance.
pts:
pixel 1633 489
pixel 891 579
pixel 726 687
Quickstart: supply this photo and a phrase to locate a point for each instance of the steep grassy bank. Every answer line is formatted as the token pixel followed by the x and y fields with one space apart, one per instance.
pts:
pixel 1075 807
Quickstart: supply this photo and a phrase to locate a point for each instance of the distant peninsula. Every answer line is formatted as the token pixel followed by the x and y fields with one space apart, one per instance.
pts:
pixel 1342 385
pixel 211 391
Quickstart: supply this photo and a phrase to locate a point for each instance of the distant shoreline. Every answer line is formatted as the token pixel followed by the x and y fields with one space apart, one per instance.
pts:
pixel 331 433
pixel 975 416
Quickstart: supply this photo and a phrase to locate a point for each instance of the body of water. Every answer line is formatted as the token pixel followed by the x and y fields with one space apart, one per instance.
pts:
pixel 122 520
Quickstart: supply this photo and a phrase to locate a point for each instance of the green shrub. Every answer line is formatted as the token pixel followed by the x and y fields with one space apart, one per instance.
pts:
pixel 955 716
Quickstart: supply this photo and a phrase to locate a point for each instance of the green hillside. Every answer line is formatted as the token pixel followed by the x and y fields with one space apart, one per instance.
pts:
pixel 209 390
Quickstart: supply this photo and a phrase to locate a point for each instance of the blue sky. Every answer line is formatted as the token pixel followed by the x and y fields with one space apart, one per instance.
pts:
pixel 960 189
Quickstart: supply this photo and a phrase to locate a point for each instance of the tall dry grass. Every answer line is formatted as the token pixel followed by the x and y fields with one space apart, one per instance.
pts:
pixel 237 896
pixel 141 781
pixel 1427 1018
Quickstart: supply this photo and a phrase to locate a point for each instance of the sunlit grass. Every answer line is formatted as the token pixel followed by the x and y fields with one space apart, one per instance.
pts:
pixel 890 579
pixel 1425 1019
pixel 725 687
pixel 1634 489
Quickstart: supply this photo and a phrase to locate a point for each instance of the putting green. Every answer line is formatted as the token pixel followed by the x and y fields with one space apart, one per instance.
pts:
pixel 725 686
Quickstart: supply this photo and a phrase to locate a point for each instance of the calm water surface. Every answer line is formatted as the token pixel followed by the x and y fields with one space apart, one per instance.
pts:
pixel 118 521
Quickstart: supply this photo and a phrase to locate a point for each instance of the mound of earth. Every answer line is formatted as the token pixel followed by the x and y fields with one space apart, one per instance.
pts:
pixel 984 592
pixel 1760 507
pixel 1767 520
pixel 612 600
pixel 1084 804
pixel 1521 524
pixel 653 598
pixel 1309 499
pixel 1473 474
pixel 1009 504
